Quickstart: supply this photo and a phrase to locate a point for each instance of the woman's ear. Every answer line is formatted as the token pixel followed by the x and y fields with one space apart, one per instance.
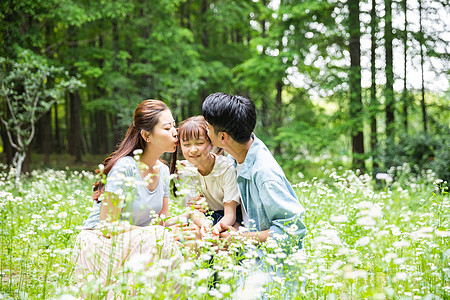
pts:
pixel 145 135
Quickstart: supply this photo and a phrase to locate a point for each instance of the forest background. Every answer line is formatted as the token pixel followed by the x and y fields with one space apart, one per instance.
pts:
pixel 358 84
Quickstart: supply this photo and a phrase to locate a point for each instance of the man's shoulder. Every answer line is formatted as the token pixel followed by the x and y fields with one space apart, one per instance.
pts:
pixel 265 167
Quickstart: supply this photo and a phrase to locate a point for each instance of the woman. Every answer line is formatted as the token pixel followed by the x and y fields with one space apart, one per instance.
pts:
pixel 117 233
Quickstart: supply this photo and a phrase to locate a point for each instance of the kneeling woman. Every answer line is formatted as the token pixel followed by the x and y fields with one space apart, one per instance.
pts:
pixel 116 235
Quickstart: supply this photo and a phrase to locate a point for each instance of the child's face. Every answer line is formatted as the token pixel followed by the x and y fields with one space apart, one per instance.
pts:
pixel 196 150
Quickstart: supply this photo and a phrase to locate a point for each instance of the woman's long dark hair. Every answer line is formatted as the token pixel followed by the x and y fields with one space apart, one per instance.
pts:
pixel 146 116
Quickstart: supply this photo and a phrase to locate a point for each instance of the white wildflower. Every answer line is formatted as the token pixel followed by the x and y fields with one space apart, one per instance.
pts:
pixel 62 215
pixel 224 288
pixel 366 221
pixel 202 273
pixel 362 241
pixel 56 226
pixel 401 243
pixel 187 266
pixel 395 231
pixel 202 290
pixel 401 276
pixel 384 176
pixel 339 219
pixel 442 234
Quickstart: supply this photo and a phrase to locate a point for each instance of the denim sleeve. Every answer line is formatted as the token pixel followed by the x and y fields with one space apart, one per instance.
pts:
pixel 283 210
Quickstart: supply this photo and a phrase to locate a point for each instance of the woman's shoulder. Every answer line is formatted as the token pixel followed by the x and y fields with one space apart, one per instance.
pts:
pixel 163 168
pixel 124 162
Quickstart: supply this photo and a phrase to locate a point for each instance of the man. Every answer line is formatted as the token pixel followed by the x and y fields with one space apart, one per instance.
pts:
pixel 267 197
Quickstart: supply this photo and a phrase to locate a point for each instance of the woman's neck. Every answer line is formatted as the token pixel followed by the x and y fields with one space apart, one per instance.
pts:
pixel 206 166
pixel 150 159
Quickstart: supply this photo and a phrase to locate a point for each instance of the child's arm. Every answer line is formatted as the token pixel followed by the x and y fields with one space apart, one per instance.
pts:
pixel 229 216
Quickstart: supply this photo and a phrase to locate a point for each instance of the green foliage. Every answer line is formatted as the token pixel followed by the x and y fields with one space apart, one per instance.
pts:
pixel 420 151
pixel 29 88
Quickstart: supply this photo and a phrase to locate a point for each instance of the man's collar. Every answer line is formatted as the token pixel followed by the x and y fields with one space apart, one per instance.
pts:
pixel 250 158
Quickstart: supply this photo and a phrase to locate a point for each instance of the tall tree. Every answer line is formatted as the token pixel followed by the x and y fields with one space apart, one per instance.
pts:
pixel 389 71
pixel 422 63
pixel 374 105
pixel 27 98
pixel 356 108
pixel 405 98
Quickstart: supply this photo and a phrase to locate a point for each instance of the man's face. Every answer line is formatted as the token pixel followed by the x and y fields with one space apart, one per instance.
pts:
pixel 215 140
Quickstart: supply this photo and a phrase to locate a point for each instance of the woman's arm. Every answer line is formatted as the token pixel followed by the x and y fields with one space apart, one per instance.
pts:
pixel 111 208
pixel 110 211
pixel 164 213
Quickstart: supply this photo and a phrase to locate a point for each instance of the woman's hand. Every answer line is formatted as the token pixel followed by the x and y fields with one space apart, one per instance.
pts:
pixel 199 203
pixel 186 232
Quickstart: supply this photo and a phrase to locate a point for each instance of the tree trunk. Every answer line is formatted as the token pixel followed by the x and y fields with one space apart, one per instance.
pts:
pixel 57 136
pixel 67 121
pixel 279 110
pixel 405 60
pixel 373 87
pixel 421 42
pixel 46 136
pixel 264 100
pixel 7 149
pixel 389 92
pixel 356 109
pixel 102 133
pixel 204 33
pixel 75 125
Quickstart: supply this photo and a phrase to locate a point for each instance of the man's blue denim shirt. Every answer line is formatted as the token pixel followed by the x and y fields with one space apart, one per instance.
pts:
pixel 268 196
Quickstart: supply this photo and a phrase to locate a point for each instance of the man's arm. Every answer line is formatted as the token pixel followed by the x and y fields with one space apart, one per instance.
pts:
pixel 257 236
pixel 282 208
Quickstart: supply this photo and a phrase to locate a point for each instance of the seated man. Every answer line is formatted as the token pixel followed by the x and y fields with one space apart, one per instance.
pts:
pixel 267 197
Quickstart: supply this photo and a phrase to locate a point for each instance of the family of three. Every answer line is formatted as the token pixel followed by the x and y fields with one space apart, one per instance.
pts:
pixel 245 191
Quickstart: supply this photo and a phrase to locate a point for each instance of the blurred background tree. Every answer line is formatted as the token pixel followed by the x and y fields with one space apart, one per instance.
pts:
pixel 359 84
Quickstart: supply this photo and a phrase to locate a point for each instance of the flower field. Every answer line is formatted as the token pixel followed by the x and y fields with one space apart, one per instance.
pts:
pixel 365 241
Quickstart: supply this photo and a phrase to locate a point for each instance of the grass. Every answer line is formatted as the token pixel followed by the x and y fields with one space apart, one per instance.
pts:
pixel 364 241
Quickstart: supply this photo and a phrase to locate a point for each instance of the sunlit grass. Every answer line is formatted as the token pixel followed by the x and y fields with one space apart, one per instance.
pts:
pixel 385 242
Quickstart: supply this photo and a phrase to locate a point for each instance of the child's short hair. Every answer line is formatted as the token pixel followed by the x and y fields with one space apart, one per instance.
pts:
pixel 193 128
pixel 236 115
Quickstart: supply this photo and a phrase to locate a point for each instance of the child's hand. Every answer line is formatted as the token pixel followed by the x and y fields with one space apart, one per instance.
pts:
pixel 223 230
pixel 217 229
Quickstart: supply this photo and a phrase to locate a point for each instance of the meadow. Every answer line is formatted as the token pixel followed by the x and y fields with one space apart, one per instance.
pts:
pixel 366 240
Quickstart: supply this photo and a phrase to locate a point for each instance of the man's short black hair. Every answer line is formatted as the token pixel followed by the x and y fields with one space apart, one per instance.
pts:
pixel 236 115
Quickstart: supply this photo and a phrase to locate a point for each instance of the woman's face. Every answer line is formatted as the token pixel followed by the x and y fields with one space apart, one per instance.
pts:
pixel 164 135
pixel 196 150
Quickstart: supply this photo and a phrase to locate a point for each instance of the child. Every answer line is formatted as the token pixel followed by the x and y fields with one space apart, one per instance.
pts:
pixel 215 174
